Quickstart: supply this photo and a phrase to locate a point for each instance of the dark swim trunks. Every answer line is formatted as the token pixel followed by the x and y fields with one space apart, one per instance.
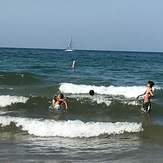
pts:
pixel 147 106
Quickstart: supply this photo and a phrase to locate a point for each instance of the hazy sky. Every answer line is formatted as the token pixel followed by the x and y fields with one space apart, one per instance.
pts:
pixel 93 24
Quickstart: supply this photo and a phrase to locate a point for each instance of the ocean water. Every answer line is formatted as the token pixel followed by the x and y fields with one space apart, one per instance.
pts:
pixel 108 127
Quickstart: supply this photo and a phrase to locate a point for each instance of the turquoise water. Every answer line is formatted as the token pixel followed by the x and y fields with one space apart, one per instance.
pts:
pixel 106 127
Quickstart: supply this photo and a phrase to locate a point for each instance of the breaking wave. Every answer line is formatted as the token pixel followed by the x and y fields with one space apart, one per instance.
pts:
pixel 76 128
pixel 6 100
pixel 126 91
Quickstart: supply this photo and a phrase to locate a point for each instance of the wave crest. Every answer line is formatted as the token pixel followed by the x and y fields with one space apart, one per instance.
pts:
pixel 6 100
pixel 126 91
pixel 70 128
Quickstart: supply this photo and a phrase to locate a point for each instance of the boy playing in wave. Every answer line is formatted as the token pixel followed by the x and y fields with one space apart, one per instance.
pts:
pixel 57 103
pixel 147 96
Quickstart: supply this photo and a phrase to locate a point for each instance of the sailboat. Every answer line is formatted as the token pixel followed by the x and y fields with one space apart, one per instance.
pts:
pixel 69 47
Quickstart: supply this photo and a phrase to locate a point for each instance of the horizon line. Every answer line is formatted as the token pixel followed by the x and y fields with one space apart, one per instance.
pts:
pixel 103 50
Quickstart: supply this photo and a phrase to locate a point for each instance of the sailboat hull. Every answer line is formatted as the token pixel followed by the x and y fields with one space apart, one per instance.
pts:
pixel 68 50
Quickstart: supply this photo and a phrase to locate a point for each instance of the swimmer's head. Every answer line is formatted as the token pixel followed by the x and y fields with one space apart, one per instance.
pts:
pixel 61 96
pixel 55 98
pixel 150 84
pixel 91 92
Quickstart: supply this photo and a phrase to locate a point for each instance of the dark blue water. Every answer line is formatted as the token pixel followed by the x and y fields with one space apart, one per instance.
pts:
pixel 118 68
pixel 106 127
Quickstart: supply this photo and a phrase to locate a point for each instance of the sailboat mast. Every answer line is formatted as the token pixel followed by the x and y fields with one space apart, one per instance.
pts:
pixel 69 47
pixel 70 44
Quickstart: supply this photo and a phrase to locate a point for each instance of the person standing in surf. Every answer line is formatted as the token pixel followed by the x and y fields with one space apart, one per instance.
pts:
pixel 147 96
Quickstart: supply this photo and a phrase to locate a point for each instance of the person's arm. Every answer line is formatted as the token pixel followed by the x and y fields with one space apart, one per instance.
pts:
pixel 53 102
pixel 151 93
pixel 141 95
pixel 65 103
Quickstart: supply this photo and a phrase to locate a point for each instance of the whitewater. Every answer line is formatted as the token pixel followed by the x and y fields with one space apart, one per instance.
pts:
pixel 71 129
pixel 126 91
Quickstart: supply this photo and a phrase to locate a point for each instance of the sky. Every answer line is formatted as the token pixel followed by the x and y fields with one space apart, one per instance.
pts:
pixel 131 25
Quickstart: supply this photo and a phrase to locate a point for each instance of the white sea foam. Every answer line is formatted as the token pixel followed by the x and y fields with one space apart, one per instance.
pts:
pixel 96 98
pixel 70 128
pixel 127 91
pixel 101 99
pixel 8 100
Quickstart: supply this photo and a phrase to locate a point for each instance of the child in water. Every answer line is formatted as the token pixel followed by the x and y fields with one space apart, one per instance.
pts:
pixel 57 103
pixel 147 96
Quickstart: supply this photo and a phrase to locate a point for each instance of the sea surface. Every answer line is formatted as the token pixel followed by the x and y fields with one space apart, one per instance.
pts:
pixel 106 127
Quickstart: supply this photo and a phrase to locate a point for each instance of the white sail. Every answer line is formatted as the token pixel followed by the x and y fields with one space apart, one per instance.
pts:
pixel 69 47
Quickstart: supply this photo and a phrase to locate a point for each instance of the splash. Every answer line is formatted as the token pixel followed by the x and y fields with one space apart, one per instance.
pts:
pixel 8 100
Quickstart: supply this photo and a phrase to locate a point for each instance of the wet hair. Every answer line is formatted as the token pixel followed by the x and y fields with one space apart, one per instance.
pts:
pixel 55 98
pixel 61 96
pixel 151 83
pixel 91 92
